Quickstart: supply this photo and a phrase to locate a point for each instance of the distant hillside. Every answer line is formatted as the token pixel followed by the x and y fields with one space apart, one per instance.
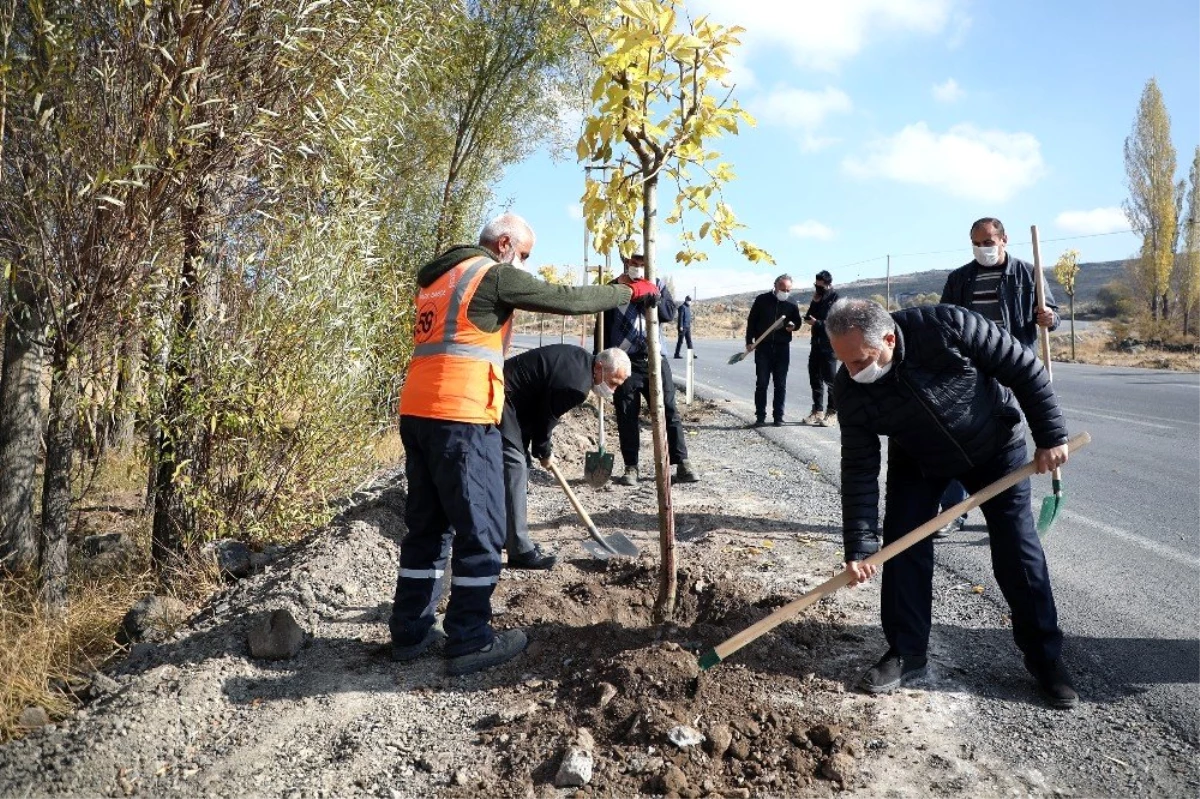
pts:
pixel 1092 277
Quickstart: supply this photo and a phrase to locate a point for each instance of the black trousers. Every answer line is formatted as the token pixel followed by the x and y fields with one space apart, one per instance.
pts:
pixel 1018 562
pixel 771 362
pixel 516 484
pixel 683 334
pixel 455 512
pixel 627 403
pixel 822 366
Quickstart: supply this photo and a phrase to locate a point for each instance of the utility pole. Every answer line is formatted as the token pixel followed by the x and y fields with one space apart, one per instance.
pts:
pixel 889 284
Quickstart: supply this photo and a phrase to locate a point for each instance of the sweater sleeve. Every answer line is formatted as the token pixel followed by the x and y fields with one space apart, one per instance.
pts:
pixel 506 288
pixel 860 491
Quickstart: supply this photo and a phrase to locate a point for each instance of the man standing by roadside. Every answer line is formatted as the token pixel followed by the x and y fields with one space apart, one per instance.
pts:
pixel 625 328
pixel 450 409
pixel 540 386
pixel 684 322
pixel 939 382
pixel 1001 288
pixel 822 363
pixel 773 354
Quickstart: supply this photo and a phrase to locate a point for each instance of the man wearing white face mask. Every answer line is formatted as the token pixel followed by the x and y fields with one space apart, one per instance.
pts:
pixel 1001 288
pixel 540 387
pixel 947 387
pixel 773 355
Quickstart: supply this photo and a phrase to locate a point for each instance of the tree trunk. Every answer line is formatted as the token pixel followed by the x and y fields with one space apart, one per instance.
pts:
pixel 173 521
pixel 20 431
pixel 128 388
pixel 664 606
pixel 56 485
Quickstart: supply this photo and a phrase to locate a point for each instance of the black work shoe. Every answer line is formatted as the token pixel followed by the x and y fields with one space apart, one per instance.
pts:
pixel 503 648
pixel 891 671
pixel 777 423
pixel 1054 683
pixel 435 636
pixel 533 559
pixel 759 423
pixel 630 478
pixel 949 528
pixel 684 473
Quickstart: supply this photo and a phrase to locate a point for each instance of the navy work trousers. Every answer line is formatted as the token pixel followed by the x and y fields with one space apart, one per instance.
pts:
pixel 1018 562
pixel 822 366
pixel 455 511
pixel 771 362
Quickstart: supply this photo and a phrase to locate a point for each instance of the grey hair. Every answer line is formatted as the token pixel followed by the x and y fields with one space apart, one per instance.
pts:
pixel 509 225
pixel 614 360
pixel 784 276
pixel 866 315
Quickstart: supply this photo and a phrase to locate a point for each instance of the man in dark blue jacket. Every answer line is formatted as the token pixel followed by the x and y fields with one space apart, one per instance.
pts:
pixel 684 323
pixel 822 363
pixel 540 386
pixel 773 355
pixel 1001 288
pixel 939 382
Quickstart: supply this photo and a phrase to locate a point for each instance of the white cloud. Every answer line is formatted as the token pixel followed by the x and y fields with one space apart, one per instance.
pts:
pixel 811 229
pixel 822 35
pixel 575 211
pixel 948 92
pixel 988 165
pixel 800 108
pixel 1097 220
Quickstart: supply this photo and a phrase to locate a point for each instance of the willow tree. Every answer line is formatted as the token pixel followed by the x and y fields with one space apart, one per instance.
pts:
pixel 1065 272
pixel 1188 267
pixel 661 96
pixel 1153 204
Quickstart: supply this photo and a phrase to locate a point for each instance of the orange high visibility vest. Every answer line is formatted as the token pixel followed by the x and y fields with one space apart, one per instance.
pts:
pixel 457 370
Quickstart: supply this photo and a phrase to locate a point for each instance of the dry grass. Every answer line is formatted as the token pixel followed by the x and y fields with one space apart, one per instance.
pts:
pixel 387 449
pixel 1093 347
pixel 42 655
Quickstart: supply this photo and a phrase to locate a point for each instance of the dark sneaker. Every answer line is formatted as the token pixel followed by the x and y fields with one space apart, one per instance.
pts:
pixel 533 559
pixel 630 478
pixel 777 423
pixel 759 423
pixel 684 473
pixel 503 648
pixel 1054 683
pixel 435 636
pixel 891 672
pixel 955 526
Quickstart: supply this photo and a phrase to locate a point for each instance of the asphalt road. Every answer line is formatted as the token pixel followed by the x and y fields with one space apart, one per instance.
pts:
pixel 1124 553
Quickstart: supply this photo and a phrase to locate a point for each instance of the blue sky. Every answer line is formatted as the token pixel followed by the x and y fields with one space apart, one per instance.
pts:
pixel 888 126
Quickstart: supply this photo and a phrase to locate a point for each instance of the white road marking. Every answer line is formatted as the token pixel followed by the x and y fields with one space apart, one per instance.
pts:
pixel 1161 550
pixel 1123 419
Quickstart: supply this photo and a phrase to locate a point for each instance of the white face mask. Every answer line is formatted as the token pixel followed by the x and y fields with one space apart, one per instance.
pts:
pixel 782 295
pixel 871 373
pixel 987 256
pixel 635 272
pixel 603 391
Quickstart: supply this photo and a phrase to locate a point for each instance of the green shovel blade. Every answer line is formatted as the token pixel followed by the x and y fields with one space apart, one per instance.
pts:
pixel 1050 507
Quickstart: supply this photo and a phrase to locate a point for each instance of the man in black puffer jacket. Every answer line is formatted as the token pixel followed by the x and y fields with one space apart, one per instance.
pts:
pixel 939 382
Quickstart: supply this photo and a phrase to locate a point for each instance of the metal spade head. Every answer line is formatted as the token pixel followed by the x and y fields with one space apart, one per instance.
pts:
pixel 597 468
pixel 618 546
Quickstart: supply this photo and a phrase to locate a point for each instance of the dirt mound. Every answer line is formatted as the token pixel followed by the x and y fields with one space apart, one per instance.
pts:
pixel 657 724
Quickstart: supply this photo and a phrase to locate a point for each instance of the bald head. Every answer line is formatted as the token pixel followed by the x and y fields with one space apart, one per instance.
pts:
pixel 509 238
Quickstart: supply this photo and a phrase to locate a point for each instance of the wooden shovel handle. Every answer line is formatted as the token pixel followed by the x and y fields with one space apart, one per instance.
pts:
pixel 583 515
pixel 763 626
pixel 1040 292
pixel 774 326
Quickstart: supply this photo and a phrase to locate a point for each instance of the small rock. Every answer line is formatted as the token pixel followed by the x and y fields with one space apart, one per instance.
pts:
pixel 94 545
pixel 102 684
pixel 152 618
pixel 275 637
pixel 34 717
pixel 608 692
pixel 748 727
pixel 738 793
pixel 460 778
pixel 583 739
pixel 719 739
pixel 674 780
pixel 740 749
pixel 575 769
pixel 517 710
pixel 684 736
pixel 840 768
pixel 823 735
pixel 797 762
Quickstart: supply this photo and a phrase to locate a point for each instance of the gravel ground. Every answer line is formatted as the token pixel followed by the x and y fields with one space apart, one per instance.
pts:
pixel 197 716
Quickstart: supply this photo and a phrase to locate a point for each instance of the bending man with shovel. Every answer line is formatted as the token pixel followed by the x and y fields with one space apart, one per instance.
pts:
pixel 939 382
pixel 541 385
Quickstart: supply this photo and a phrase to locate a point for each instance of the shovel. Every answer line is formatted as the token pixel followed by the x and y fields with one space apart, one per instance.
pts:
pixel 1053 503
pixel 722 651
pixel 598 466
pixel 614 545
pixel 774 326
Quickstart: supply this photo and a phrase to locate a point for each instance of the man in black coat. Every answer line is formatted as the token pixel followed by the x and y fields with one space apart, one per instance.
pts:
pixel 684 323
pixel 773 355
pixel 540 386
pixel 822 363
pixel 939 382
